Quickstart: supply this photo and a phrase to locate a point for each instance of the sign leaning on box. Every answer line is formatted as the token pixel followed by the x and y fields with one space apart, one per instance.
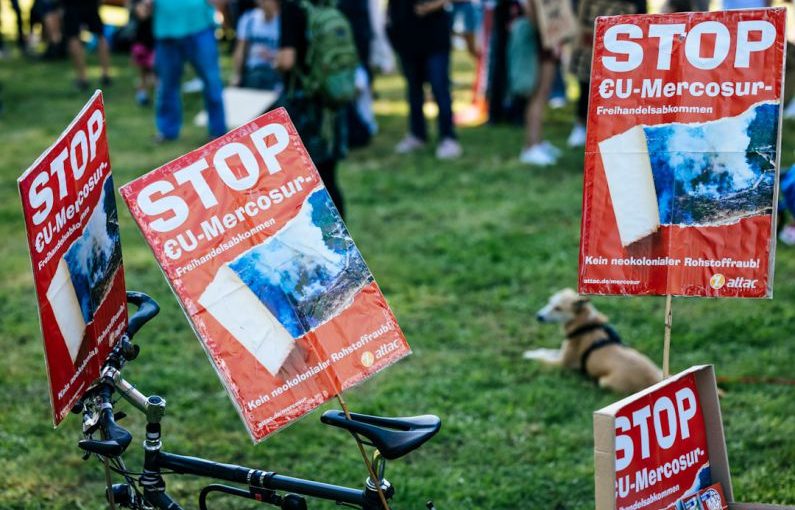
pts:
pixel 664 449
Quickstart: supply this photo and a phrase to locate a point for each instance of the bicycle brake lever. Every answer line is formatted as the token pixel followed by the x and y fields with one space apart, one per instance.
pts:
pixel 118 438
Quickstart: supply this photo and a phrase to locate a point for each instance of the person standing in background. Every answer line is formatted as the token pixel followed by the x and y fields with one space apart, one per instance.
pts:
pixel 76 15
pixel 184 31
pixel 420 32
pixel 255 51
pixel 143 50
pixel 322 128
pixel 538 151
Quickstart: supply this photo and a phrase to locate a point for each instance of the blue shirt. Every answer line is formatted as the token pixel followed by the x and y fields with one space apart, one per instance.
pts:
pixel 180 18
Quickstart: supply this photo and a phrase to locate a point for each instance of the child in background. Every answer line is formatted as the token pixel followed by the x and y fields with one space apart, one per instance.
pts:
pixel 257 45
pixel 143 51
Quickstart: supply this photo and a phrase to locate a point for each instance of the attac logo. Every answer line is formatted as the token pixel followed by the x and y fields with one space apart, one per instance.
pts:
pixel 717 281
pixel 741 283
pixel 367 359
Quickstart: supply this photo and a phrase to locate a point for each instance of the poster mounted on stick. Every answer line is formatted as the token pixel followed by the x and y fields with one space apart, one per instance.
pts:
pixel 73 234
pixel 265 270
pixel 682 155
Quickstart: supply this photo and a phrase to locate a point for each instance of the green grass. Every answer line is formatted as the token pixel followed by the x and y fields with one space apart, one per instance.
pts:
pixel 466 252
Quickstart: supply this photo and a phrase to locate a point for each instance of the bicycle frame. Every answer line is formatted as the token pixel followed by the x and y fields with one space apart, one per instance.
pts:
pixel 96 405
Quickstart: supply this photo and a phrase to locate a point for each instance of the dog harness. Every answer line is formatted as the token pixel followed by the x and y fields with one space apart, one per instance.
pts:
pixel 612 338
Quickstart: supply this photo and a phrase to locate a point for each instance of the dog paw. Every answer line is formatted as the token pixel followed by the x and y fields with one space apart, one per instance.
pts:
pixel 548 355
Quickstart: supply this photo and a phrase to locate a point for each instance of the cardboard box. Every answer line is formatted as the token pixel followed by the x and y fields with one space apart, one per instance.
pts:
pixel 707 396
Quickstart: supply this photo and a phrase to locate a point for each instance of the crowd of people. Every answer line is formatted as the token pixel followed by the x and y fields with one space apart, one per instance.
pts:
pixel 273 48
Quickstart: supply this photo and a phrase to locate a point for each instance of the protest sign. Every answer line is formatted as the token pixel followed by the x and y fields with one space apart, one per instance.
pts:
pixel 655 445
pixel 682 154
pixel 73 235
pixel 556 22
pixel 266 272
pixel 664 449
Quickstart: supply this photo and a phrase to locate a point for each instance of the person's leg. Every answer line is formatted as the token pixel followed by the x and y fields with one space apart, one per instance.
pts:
pixel 169 60
pixel 103 50
pixel 21 39
pixel 78 60
pixel 535 106
pixel 577 135
pixel 437 67
pixel 328 172
pixel 203 55
pixel 582 102
pixel 72 24
pixel 94 23
pixel 414 73
pixel 53 28
pixel 471 26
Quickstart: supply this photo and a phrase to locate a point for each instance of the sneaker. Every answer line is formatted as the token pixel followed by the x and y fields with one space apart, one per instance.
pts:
pixel 536 155
pixel 193 86
pixel 142 98
pixel 551 149
pixel 449 148
pixel 82 85
pixel 557 102
pixel 577 136
pixel 409 144
pixel 787 235
pixel 160 139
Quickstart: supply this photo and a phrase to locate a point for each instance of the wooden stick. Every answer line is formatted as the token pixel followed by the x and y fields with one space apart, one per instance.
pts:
pixel 667 340
pixel 372 474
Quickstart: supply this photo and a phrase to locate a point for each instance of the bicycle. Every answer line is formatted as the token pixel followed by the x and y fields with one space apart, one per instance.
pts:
pixel 392 438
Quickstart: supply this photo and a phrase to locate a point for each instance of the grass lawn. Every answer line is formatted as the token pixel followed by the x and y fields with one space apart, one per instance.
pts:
pixel 466 252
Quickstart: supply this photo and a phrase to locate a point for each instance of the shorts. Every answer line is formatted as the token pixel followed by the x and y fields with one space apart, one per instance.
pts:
pixel 143 57
pixel 467 12
pixel 77 16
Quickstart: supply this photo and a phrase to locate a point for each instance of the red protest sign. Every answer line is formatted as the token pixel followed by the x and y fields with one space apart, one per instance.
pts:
pixel 73 235
pixel 682 154
pixel 266 272
pixel 652 447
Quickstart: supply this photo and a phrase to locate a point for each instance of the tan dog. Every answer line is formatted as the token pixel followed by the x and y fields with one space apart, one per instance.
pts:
pixel 593 347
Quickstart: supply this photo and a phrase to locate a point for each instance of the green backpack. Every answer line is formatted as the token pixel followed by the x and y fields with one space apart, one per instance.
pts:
pixel 522 58
pixel 331 56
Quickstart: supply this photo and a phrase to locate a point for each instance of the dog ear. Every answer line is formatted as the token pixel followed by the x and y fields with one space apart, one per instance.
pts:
pixel 580 303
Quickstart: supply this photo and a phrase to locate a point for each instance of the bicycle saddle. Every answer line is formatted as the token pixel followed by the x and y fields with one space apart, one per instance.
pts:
pixel 394 437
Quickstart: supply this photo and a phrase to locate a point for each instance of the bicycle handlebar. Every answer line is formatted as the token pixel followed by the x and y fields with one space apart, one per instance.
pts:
pixel 116 438
pixel 147 309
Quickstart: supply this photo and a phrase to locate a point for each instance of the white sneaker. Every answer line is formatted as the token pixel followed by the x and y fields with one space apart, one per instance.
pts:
pixel 449 148
pixel 557 103
pixel 789 111
pixel 577 136
pixel 409 144
pixel 551 149
pixel 536 155
pixel 787 235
